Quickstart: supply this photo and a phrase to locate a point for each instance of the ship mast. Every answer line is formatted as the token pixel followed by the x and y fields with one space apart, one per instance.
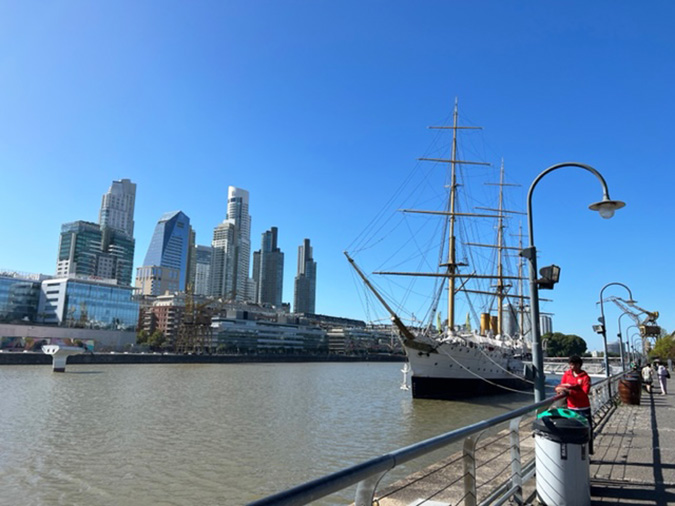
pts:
pixel 500 245
pixel 452 264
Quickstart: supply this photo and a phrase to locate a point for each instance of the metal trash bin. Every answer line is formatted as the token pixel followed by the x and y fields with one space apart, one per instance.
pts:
pixel 561 453
pixel 630 388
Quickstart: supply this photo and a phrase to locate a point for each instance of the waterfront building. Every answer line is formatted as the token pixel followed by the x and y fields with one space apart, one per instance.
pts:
pixel 164 313
pixel 77 301
pixel 235 333
pixel 304 299
pixel 89 250
pixel 230 260
pixel 117 207
pixel 19 296
pixel 165 267
pixel 202 272
pixel 360 340
pixel 268 270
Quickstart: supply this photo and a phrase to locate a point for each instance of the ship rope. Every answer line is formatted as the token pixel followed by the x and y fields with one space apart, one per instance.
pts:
pixel 505 369
pixel 515 390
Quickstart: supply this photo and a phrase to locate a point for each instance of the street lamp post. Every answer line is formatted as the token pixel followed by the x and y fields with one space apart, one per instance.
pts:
pixel 639 334
pixel 621 343
pixel 606 208
pixel 637 344
pixel 603 327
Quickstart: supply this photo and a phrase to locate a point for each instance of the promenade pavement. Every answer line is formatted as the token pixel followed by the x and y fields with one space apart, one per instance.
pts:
pixel 634 460
pixel 633 463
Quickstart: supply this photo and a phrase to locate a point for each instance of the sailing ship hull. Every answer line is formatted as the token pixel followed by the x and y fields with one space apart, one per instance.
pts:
pixel 455 371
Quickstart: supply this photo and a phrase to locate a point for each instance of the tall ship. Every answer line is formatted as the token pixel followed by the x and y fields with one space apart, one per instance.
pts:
pixel 448 360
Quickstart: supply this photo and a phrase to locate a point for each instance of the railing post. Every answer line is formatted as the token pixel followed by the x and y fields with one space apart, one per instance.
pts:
pixel 469 457
pixel 516 465
pixel 365 490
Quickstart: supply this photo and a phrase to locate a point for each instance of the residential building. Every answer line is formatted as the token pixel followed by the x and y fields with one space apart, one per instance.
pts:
pixel 268 270
pixel 304 299
pixel 545 324
pixel 230 261
pixel 165 314
pixel 165 267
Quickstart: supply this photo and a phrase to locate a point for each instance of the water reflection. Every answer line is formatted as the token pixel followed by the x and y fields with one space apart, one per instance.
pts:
pixel 206 434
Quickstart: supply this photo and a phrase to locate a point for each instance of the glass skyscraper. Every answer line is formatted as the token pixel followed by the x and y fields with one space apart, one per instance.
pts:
pixel 230 261
pixel 165 267
pixel 268 270
pixel 304 300
pixel 202 255
pixel 87 249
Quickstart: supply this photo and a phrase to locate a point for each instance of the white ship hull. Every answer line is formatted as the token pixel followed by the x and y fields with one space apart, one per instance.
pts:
pixel 459 369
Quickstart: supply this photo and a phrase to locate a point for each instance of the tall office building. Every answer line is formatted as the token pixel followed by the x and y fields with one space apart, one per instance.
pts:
pixel 87 249
pixel 106 249
pixel 304 299
pixel 117 207
pixel 231 257
pixel 202 256
pixel 268 270
pixel 191 261
pixel 165 267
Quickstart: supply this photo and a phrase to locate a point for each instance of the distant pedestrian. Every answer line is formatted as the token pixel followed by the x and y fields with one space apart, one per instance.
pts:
pixel 577 384
pixel 663 375
pixel 647 377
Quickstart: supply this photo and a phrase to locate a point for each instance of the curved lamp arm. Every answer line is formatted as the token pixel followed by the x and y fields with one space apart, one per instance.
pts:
pixel 605 207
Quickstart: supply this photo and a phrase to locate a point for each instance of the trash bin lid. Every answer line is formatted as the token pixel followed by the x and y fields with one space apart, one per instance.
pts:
pixel 563 413
pixel 562 426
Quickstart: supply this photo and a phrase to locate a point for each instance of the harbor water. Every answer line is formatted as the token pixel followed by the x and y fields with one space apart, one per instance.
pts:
pixel 207 434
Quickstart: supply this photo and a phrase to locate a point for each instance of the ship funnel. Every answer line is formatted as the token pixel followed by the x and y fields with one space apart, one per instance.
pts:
pixel 494 324
pixel 484 323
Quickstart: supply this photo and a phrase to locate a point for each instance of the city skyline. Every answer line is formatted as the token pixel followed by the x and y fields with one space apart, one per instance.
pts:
pixel 322 126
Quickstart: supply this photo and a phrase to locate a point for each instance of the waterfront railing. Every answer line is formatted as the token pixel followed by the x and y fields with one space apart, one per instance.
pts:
pixel 368 475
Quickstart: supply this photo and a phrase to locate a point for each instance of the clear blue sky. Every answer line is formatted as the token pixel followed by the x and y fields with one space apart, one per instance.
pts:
pixel 319 109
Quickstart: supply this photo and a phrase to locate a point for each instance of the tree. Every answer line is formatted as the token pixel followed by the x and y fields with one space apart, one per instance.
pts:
pixel 142 337
pixel 664 348
pixel 156 340
pixel 563 345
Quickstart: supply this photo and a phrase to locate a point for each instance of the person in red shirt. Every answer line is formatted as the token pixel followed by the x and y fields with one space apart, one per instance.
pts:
pixel 577 384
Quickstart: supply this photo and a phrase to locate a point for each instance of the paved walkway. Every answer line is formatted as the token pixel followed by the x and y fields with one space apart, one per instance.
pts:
pixel 633 463
pixel 634 460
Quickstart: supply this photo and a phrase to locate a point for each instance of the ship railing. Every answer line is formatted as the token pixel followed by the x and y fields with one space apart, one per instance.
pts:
pixel 367 475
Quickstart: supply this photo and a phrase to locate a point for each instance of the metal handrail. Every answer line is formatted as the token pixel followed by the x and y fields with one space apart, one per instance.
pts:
pixel 367 475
